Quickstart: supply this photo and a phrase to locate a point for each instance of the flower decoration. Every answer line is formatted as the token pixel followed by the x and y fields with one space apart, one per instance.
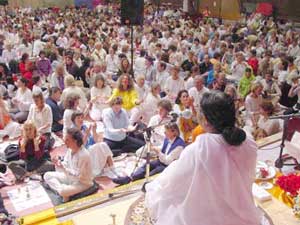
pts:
pixel 289 183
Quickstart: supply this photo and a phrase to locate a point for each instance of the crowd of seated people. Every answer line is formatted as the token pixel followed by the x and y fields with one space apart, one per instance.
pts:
pixel 67 78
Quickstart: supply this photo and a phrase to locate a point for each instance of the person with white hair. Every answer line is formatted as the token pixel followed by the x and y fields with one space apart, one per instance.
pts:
pixel 141 88
pixel 58 76
pixel 197 91
pixel 99 54
pixel 71 89
pixel 9 54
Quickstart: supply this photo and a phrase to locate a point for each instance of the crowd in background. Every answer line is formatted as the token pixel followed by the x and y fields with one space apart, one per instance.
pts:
pixel 71 68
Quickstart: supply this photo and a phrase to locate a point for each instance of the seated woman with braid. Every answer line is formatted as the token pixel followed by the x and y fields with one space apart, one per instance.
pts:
pixel 170 151
pixel 212 180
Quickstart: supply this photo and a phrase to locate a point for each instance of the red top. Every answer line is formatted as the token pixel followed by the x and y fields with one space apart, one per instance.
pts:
pixel 253 62
pixel 29 149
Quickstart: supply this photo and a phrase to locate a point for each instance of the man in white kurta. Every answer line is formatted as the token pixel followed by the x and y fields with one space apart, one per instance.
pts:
pixel 74 174
pixel 210 184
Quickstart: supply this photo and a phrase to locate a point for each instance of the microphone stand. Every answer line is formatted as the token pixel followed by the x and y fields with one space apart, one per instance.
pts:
pixel 148 133
pixel 281 161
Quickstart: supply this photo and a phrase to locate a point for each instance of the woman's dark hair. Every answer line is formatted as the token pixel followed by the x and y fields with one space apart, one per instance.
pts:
pixel 76 136
pixel 173 127
pixel 24 80
pixel 268 107
pixel 130 83
pixel 97 78
pixel 24 57
pixel 219 110
pixel 36 79
pixel 177 101
pixel 75 115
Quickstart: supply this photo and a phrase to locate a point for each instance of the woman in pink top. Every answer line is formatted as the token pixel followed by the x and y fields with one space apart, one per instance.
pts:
pixel 211 182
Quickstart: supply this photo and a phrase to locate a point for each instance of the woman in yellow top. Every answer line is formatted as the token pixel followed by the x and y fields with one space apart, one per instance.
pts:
pixel 125 90
pixel 186 124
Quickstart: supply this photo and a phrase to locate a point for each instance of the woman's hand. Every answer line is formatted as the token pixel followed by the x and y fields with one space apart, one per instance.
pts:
pixel 156 150
pixel 94 128
pixel 23 144
pixel 36 142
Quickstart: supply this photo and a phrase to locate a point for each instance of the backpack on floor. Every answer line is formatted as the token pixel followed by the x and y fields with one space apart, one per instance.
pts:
pixel 11 153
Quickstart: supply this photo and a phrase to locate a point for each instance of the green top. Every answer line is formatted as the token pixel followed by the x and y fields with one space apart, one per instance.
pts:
pixel 245 85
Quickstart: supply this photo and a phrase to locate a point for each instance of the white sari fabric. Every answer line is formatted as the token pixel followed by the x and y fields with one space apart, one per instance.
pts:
pixel 210 184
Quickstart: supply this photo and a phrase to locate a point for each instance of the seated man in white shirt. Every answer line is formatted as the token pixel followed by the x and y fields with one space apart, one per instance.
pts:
pixel 197 91
pixel 172 147
pixel 74 174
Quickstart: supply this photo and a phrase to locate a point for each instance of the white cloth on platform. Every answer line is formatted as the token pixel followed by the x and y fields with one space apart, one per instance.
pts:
pixel 211 183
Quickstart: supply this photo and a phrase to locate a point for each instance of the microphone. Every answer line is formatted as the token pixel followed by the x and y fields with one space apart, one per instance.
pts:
pixel 186 114
pixel 293 115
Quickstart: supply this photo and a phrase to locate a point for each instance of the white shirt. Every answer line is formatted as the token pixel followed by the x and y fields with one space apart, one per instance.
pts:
pixel 149 107
pixel 270 126
pixel 167 158
pixel 41 118
pixel 24 100
pixel 140 65
pixel 67 120
pixel 62 42
pixel 112 63
pixel 238 70
pixel 78 166
pixel 252 105
pixel 99 55
pixel 294 51
pixel 142 91
pixel 174 86
pixel 38 45
pixel 161 78
pixel 189 83
pixel 282 76
pixel 7 56
pixel 158 135
pixel 103 95
pixel 24 49
pixel 197 96
pixel 203 193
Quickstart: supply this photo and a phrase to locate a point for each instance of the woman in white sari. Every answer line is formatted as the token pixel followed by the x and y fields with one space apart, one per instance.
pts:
pixel 211 182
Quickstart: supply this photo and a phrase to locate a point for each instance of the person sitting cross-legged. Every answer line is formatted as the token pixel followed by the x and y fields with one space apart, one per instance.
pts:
pixel 74 174
pixel 33 155
pixel 172 147
pixel 116 127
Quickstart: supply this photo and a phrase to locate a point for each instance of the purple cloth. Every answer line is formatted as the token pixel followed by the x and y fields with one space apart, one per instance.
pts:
pixel 61 82
pixel 44 66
